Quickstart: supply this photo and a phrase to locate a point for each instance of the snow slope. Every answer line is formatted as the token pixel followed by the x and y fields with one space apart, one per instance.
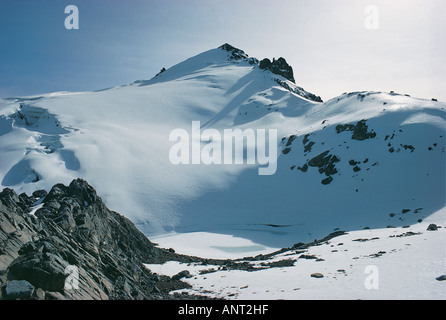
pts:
pixel 362 159
pixel 385 264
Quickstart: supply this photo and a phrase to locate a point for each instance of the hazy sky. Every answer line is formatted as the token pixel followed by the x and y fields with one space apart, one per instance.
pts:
pixel 327 42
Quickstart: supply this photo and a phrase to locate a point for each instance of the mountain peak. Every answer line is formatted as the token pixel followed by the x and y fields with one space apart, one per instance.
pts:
pixel 237 54
pixel 226 46
pixel 279 66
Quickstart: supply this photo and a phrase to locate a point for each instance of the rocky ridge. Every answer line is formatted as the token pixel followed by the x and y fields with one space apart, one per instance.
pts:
pixel 278 67
pixel 66 244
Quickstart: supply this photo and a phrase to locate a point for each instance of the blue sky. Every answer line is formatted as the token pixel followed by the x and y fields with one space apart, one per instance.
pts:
pixel 325 41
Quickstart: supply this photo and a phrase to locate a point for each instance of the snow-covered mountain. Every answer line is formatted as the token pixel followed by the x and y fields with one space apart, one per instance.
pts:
pixel 360 160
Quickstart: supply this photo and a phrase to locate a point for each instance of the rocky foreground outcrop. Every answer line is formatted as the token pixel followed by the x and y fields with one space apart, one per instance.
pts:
pixel 74 247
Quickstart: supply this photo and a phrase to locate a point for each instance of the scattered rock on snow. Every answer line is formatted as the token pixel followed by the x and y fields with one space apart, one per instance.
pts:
pixel 182 274
pixel 307 256
pixel 317 275
pixel 432 227
pixel 360 130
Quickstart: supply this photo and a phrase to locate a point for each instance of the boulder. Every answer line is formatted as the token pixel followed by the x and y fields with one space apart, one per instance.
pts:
pixel 182 274
pixel 18 289
pixel 317 275
pixel 432 227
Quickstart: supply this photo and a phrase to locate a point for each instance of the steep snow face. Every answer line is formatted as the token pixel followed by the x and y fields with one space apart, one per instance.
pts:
pixel 363 159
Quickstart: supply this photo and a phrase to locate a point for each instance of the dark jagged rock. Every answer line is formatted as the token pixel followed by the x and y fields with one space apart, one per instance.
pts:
pixel 10 199
pixel 279 66
pixel 265 64
pixel 325 162
pixel 290 140
pixel 237 54
pixel 432 227
pixel 234 50
pixel 182 274
pixel 161 71
pixel 327 180
pixel 75 232
pixel 299 91
pixel 359 130
pixel 307 147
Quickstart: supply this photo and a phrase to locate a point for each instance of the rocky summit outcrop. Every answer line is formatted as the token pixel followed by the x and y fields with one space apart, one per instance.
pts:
pixel 235 54
pixel 279 66
pixel 74 247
